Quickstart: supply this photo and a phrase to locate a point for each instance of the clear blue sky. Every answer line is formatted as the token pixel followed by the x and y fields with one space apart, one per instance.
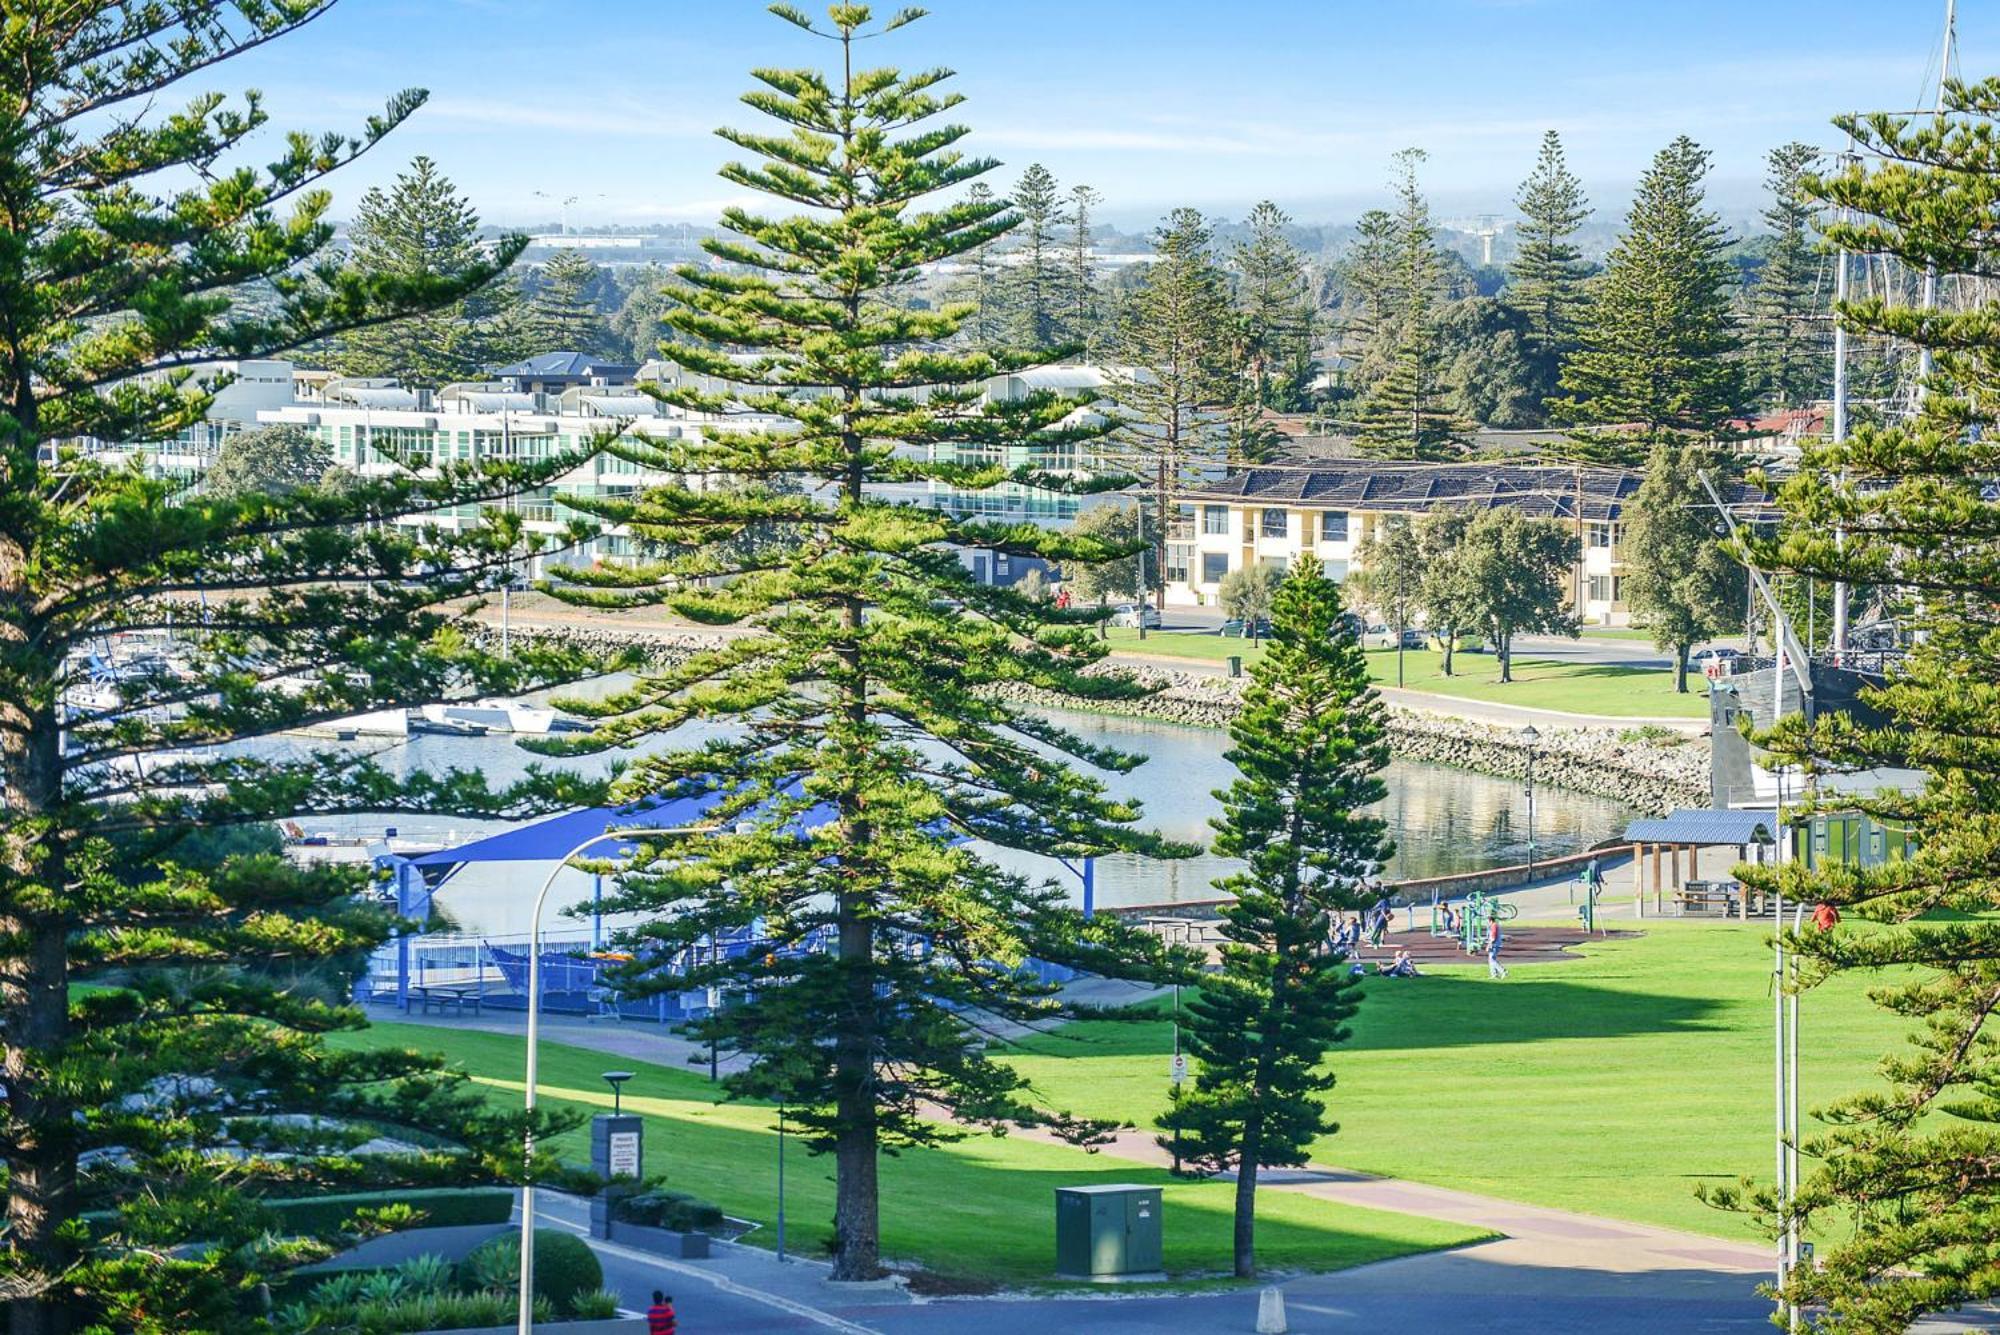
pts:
pixel 1155 102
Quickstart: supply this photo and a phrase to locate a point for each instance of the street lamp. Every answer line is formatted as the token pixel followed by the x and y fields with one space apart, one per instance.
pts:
pixel 781 1182
pixel 526 1309
pixel 1530 737
pixel 616 1079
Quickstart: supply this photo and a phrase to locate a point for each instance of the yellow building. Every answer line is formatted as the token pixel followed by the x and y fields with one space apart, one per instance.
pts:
pixel 1272 515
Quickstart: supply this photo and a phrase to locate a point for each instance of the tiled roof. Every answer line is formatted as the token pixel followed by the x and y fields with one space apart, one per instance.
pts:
pixel 564 364
pixel 1382 485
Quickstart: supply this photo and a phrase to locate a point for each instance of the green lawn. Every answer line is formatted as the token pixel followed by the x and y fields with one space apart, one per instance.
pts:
pixel 1539 683
pixel 983 1207
pixel 1611 1084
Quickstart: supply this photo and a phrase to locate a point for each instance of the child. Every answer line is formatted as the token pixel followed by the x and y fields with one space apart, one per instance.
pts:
pixel 660 1318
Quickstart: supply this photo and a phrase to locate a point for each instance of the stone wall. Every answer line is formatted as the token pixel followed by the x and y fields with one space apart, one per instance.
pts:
pixel 1653 775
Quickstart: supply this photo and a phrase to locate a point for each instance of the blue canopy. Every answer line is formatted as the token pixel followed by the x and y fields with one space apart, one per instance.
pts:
pixel 1693 826
pixel 551 839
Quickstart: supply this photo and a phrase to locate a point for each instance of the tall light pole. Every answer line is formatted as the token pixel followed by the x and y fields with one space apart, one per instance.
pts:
pixel 1529 736
pixel 526 1309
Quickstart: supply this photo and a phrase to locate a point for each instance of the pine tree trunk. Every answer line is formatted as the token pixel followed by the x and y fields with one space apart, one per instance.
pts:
pixel 1246 1200
pixel 1160 540
pixel 34 1010
pixel 857 1202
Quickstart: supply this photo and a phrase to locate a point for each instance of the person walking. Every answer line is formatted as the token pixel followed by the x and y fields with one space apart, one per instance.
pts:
pixel 1494 968
pixel 660 1318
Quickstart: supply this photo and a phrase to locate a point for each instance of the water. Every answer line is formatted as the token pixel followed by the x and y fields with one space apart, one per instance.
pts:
pixel 1442 820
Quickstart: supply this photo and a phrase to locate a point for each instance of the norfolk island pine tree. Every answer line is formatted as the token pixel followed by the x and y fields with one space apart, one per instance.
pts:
pixel 133 958
pixel 860 691
pixel 1907 1167
pixel 1308 748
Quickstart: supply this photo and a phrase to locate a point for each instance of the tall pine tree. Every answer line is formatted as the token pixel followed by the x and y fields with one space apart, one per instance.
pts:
pixel 163 1000
pixel 1407 414
pixel 1177 340
pixel 1036 281
pixel 1081 317
pixel 563 314
pixel 1308 749
pixel 1369 307
pixel 420 227
pixel 1656 357
pixel 1274 302
pixel 1546 281
pixel 860 688
pixel 1899 1182
pixel 1788 356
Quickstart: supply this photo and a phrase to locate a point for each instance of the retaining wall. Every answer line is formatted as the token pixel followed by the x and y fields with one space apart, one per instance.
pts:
pixel 1654 775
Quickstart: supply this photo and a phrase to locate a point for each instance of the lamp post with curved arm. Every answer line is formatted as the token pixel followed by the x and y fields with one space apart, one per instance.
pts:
pixel 526 1310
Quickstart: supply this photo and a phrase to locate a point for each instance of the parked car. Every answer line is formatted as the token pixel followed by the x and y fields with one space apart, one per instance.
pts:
pixel 1717 662
pixel 1385 637
pixel 1136 615
pixel 1259 629
pixel 1464 644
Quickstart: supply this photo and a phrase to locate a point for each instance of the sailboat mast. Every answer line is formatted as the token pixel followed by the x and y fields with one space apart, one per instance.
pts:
pixel 1930 291
pixel 1840 589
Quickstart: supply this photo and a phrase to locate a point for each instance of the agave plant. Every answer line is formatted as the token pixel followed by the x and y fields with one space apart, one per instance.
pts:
pixel 425 1274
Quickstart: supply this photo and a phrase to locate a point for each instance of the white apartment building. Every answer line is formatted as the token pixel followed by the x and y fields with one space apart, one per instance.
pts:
pixel 1271 516
pixel 377 429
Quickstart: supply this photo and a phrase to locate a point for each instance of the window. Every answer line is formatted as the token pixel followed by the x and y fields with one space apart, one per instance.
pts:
pixel 1277 565
pixel 1214 565
pixel 1274 523
pixel 1600 535
pixel 1600 589
pixel 1214 519
pixel 1177 563
pixel 1617 588
pixel 1333 526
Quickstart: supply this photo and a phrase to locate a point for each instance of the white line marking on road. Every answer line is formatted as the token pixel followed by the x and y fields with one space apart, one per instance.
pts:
pixel 723 1282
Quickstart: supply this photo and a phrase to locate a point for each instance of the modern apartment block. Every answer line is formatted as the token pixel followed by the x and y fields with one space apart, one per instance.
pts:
pixel 375 429
pixel 1271 516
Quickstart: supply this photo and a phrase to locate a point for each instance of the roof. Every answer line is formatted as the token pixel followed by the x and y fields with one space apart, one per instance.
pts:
pixel 1697 826
pixel 1391 485
pixel 553 839
pixel 566 364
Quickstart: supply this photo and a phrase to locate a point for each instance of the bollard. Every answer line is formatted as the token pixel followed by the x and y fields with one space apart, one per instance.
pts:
pixel 1271 1312
pixel 1235 665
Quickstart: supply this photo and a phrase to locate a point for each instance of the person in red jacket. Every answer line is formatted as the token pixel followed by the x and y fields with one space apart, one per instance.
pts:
pixel 1826 917
pixel 660 1318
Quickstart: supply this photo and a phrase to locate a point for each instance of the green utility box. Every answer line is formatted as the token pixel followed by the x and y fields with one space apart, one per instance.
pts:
pixel 1107 1231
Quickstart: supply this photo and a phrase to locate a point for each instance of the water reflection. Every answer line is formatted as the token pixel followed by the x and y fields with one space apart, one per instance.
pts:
pixel 1442 820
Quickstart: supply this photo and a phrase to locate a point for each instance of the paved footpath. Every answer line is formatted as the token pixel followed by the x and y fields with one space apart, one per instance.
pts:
pixel 1553 1271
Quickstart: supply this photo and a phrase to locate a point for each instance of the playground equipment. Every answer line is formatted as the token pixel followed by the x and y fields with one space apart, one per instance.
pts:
pixel 1476 920
pixel 1592 881
pixel 1471 921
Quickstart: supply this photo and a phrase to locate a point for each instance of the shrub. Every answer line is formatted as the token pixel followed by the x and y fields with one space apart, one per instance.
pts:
pixel 668 1209
pixel 597 1305
pixel 565 1267
pixel 440 1208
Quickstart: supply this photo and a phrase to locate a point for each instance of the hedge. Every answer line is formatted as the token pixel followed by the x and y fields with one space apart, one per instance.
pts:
pixel 442 1207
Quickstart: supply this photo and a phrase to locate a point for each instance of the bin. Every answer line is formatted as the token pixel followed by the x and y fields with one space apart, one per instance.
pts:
pixel 1107 1231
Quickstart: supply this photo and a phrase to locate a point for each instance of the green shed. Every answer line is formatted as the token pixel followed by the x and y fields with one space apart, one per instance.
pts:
pixel 1107 1231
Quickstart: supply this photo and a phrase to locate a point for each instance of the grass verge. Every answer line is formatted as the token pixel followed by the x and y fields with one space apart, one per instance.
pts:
pixel 1611 1084
pixel 1611 689
pixel 981 1209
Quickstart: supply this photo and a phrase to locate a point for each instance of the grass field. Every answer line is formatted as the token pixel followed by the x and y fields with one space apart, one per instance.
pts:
pixel 1611 1084
pixel 1539 683
pixel 982 1208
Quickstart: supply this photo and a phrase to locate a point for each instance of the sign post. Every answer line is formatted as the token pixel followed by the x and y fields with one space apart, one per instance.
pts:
pixel 617 1153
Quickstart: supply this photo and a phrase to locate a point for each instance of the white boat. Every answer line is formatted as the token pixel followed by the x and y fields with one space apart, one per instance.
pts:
pixel 495 715
pixel 376 723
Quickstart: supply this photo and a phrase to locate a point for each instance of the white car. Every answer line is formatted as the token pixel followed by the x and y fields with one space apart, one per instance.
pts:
pixel 1136 615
